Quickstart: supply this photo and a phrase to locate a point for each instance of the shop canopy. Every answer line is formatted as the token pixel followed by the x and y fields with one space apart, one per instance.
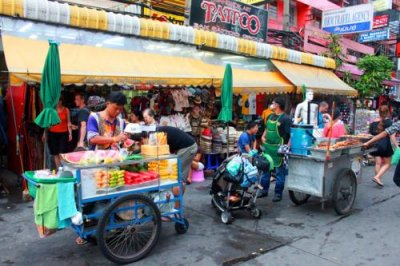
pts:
pixel 322 81
pixel 82 64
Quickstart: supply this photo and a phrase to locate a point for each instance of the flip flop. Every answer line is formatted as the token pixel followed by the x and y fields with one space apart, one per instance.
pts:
pixel 80 241
pixel 377 182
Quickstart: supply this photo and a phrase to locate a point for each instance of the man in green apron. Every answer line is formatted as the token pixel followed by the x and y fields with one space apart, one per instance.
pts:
pixel 277 133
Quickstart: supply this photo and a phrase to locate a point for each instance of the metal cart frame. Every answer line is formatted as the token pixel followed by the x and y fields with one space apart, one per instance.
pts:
pixel 128 228
pixel 334 179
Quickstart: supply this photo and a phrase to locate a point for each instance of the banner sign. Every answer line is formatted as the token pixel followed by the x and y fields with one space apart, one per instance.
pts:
pixel 164 17
pixel 380 5
pixel 381 21
pixel 348 20
pixel 375 35
pixel 230 18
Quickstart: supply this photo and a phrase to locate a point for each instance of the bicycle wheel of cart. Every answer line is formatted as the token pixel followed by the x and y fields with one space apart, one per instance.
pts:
pixel 344 191
pixel 298 198
pixel 129 229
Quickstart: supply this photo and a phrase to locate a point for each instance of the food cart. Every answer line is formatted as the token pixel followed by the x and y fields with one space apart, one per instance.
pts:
pixel 124 217
pixel 334 177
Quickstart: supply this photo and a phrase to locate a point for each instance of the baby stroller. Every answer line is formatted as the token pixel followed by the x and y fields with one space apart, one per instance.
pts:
pixel 236 184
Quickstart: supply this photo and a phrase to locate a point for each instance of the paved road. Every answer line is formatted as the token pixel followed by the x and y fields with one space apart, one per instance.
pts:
pixel 285 235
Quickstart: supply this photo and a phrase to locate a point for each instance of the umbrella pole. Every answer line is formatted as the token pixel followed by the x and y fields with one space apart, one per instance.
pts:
pixel 45 148
pixel 227 141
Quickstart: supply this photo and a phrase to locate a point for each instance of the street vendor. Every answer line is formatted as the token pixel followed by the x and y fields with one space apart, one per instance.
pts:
pixel 277 133
pixel 105 128
pixel 247 140
pixel 395 128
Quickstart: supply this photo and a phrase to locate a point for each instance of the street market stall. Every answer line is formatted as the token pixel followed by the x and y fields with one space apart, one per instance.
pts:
pixel 117 199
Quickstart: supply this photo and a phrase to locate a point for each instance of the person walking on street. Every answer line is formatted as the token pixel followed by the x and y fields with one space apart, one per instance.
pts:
pixel 83 116
pixel 384 152
pixel 277 133
pixel 105 128
pixel 59 135
pixel 393 129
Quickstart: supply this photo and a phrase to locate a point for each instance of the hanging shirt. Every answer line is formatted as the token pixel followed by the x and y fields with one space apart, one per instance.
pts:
pixel 261 100
pixel 245 105
pixel 252 104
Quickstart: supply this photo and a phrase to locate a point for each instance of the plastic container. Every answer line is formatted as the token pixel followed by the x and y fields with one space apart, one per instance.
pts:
pixel 301 139
pixel 197 176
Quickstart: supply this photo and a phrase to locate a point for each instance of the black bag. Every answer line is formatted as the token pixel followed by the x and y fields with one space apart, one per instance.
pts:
pixel 261 163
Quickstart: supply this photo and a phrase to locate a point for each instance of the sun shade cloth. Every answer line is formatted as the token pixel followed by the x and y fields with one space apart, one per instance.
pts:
pixel 50 88
pixel 81 64
pixel 226 97
pixel 320 80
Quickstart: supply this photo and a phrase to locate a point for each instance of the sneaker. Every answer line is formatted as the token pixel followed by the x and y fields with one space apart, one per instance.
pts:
pixel 277 198
pixel 262 194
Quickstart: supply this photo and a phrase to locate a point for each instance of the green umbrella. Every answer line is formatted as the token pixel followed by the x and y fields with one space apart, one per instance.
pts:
pixel 226 97
pixel 50 88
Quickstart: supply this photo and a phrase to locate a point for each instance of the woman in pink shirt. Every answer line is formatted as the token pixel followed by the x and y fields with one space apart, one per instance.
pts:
pixel 338 129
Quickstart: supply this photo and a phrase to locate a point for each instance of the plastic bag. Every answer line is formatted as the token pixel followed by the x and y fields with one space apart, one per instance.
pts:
pixel 396 156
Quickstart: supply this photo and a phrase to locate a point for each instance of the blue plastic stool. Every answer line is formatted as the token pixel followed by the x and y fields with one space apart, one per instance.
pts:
pixel 212 161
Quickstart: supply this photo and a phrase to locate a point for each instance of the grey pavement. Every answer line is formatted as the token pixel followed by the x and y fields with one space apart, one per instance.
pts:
pixel 285 235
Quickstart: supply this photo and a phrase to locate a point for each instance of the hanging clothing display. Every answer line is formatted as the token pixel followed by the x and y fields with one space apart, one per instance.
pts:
pixel 245 104
pixel 252 104
pixel 261 100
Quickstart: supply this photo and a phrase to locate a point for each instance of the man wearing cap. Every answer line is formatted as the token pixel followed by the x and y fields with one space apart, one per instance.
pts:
pixel 277 133
pixel 105 128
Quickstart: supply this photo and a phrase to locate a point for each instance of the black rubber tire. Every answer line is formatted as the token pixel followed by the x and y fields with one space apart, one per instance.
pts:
pixel 344 191
pixel 256 213
pixel 296 200
pixel 226 217
pixel 182 228
pixel 129 233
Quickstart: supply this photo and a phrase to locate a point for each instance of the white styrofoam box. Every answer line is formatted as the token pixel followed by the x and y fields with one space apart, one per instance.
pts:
pixel 294 56
pixel 31 9
pixel 128 24
pixel 64 13
pixel 119 23
pixel 269 51
pixel 54 12
pixel 43 12
pixel 111 21
pixel 222 41
pixel 261 49
pixel 174 32
pixel 136 26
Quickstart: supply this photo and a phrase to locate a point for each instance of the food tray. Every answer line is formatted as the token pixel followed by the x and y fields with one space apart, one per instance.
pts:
pixel 31 175
pixel 321 153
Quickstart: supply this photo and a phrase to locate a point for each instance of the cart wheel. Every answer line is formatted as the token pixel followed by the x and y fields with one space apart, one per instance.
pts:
pixel 129 229
pixel 256 213
pixel 344 191
pixel 298 198
pixel 182 228
pixel 226 217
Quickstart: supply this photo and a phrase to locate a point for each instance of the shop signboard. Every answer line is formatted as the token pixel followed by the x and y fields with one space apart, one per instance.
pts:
pixel 380 5
pixel 375 35
pixel 252 2
pixel 348 20
pixel 230 17
pixel 380 21
pixel 164 17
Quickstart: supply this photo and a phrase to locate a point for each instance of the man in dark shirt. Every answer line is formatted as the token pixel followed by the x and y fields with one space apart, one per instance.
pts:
pixel 83 115
pixel 183 145
pixel 277 133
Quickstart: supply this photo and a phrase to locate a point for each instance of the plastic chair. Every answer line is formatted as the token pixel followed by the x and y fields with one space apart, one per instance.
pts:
pixel 212 161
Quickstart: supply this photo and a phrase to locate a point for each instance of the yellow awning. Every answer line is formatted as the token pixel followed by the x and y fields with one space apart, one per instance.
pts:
pixel 247 81
pixel 82 64
pixel 320 80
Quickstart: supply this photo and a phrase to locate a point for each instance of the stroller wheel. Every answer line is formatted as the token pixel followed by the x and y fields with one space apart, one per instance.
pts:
pixel 256 213
pixel 226 217
pixel 213 203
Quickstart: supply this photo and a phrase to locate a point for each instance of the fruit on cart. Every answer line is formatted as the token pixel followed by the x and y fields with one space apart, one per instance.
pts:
pixel 73 157
pixel 128 143
pixel 116 178
pixel 101 179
